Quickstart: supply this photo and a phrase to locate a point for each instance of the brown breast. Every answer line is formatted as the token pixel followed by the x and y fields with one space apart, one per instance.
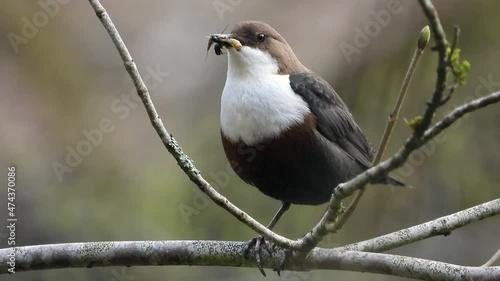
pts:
pixel 286 167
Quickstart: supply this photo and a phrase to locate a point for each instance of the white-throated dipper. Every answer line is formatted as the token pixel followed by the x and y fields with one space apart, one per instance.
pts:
pixel 284 129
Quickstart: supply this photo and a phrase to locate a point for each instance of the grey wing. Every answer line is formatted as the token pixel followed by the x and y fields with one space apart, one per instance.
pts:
pixel 334 121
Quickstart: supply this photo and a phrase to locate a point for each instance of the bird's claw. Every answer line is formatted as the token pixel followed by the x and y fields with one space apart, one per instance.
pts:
pixel 258 243
pixel 284 262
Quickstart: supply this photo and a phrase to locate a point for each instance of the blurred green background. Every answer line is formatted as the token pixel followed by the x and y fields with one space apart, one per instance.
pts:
pixel 63 79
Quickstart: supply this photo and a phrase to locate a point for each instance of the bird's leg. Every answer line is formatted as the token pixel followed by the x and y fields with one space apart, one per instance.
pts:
pixel 258 241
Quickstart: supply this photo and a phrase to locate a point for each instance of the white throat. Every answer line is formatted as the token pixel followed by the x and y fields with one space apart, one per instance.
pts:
pixel 257 103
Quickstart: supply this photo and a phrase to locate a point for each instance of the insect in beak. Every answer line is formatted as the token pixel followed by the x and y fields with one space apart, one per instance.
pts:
pixel 221 41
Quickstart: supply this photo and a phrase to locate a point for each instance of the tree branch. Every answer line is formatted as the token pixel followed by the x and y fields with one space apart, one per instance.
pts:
pixel 227 253
pixel 231 253
pixel 401 266
pixel 440 226
pixel 458 113
pixel 219 253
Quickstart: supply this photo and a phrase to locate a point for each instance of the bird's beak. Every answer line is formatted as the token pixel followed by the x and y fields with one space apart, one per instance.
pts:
pixel 223 40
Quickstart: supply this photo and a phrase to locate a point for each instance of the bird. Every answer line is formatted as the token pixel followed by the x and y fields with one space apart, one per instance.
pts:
pixel 284 129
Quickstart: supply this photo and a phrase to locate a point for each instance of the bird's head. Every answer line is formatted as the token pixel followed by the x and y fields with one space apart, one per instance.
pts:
pixel 256 48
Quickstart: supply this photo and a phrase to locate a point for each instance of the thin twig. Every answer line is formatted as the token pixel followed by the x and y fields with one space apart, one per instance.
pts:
pixel 423 40
pixel 170 143
pixel 340 222
pixel 458 113
pixel 454 43
pixel 451 91
pixel 452 88
pixel 393 117
pixel 493 260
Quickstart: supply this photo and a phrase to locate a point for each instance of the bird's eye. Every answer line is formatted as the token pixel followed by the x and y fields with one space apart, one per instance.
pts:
pixel 261 37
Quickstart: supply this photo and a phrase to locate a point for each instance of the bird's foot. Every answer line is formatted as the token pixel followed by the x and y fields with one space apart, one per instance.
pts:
pixel 257 244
